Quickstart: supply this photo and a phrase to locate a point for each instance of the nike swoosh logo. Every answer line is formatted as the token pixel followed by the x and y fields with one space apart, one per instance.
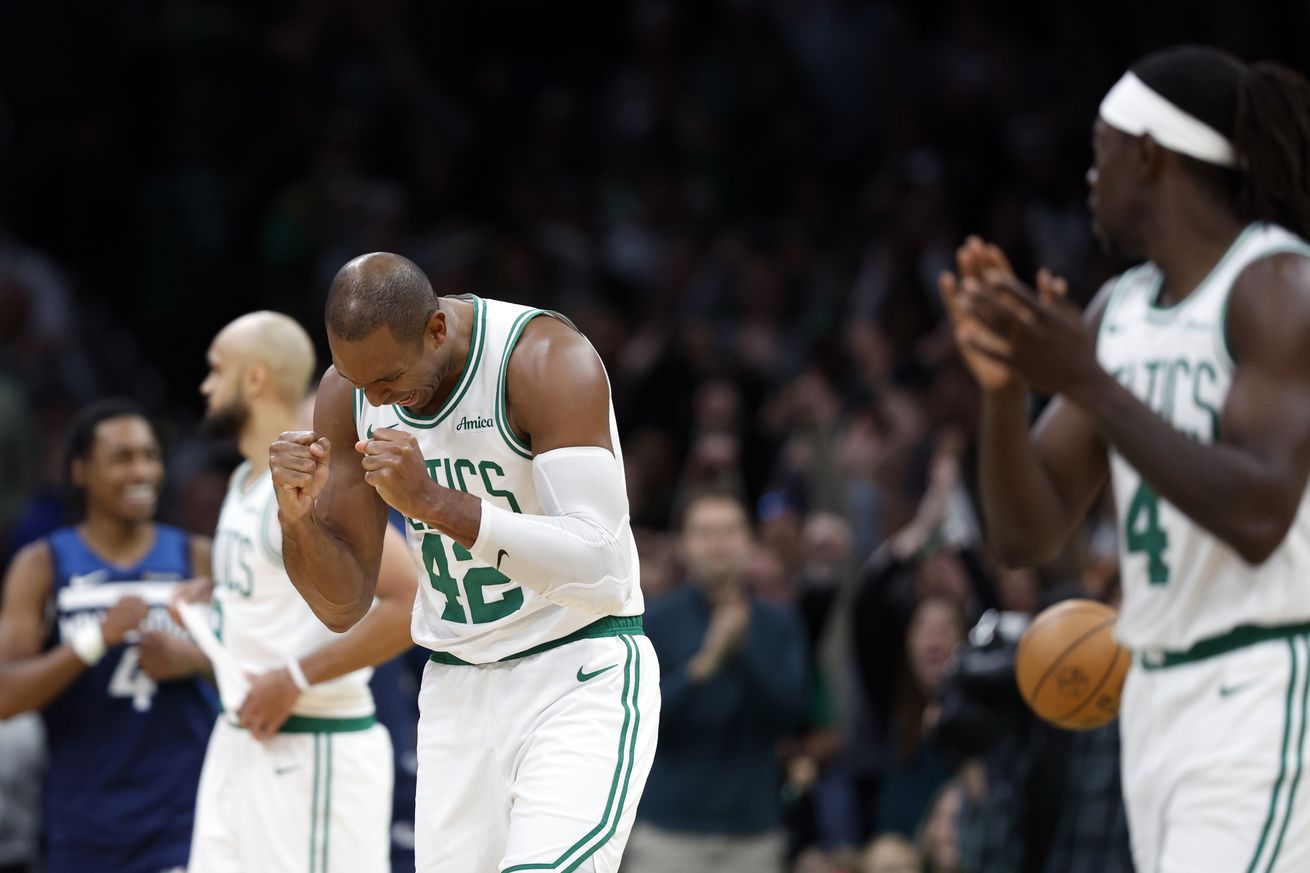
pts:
pixel 500 556
pixel 287 769
pixel 1230 690
pixel 583 677
pixel 392 426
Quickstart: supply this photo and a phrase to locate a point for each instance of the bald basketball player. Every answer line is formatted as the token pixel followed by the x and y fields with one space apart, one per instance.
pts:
pixel 298 774
pixel 489 426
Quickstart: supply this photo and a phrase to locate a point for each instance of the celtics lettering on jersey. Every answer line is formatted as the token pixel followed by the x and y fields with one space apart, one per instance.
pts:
pixel 1187 392
pixel 1180 582
pixel 467 607
pixel 232 553
pixel 487 594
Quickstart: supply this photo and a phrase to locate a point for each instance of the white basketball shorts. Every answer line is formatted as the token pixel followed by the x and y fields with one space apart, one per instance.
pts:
pixel 535 764
pixel 1214 760
pixel 311 802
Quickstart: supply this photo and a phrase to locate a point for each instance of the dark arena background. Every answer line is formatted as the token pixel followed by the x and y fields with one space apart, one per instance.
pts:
pixel 744 205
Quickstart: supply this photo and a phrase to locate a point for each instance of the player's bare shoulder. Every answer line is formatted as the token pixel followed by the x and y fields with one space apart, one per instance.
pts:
pixel 1269 307
pixel 551 347
pixel 32 570
pixel 556 387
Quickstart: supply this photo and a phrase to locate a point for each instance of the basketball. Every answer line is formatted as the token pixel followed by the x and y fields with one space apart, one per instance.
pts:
pixel 1070 668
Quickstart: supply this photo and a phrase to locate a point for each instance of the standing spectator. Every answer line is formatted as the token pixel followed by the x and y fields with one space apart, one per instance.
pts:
pixel 909 617
pixel 735 682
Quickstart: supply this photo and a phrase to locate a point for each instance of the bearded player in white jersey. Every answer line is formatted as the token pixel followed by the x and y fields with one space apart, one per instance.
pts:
pixel 298 773
pixel 1187 388
pixel 489 426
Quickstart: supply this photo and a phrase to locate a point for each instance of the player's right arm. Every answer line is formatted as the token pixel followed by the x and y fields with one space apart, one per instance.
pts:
pixel 1038 482
pixel 332 520
pixel 1036 485
pixel 29 678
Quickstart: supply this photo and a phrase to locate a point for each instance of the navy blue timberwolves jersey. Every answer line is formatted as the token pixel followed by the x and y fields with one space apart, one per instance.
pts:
pixel 125 753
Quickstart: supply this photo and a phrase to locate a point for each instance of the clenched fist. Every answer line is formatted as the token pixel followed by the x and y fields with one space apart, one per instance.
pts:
pixel 394 466
pixel 122 618
pixel 299 462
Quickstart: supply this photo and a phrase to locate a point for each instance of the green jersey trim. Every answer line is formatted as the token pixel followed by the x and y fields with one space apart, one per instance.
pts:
pixel 502 409
pixel 1160 313
pixel 502 413
pixel 1225 348
pixel 238 476
pixel 476 341
pixel 308 724
pixel 266 521
pixel 312 724
pixel 610 626
pixel 1122 283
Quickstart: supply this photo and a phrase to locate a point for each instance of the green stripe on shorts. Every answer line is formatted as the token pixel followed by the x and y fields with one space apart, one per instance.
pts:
pixel 572 856
pixel 1272 815
pixel 1300 758
pixel 313 806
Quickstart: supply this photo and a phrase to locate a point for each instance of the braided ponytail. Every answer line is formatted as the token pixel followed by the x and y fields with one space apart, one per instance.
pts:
pixel 1272 136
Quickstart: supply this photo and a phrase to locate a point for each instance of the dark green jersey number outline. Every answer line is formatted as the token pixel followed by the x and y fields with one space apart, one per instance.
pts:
pixel 438 567
pixel 1142 532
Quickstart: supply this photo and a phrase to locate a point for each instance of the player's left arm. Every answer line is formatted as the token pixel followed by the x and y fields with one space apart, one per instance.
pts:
pixel 1246 487
pixel 580 553
pixel 382 634
pixel 165 657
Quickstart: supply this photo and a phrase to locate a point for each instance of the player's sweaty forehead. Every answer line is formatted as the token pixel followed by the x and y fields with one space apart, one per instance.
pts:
pixel 364 372
pixel 379 357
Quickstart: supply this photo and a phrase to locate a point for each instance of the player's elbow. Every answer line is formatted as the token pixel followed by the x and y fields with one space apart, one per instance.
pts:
pixel 1258 541
pixel 1021 540
pixel 1018 553
pixel 1259 531
pixel 11 703
pixel 606 590
pixel 339 625
pixel 340 619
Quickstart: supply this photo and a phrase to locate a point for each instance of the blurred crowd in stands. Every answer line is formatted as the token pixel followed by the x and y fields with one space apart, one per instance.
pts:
pixel 744 204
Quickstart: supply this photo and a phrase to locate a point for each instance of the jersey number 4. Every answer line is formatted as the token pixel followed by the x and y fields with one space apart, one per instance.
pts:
pixel 1143 533
pixel 129 681
pixel 475 580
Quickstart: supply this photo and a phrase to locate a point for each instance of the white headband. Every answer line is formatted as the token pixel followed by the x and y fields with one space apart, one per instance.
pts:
pixel 1131 106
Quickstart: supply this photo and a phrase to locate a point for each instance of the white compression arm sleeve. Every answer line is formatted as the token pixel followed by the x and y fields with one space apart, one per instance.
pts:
pixel 581 553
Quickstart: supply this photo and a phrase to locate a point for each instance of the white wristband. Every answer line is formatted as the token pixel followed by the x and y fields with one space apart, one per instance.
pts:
pixel 297 674
pixel 87 641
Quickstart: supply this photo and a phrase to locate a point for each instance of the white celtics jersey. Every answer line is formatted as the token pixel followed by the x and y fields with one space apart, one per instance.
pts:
pixel 467 608
pixel 1181 584
pixel 262 619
